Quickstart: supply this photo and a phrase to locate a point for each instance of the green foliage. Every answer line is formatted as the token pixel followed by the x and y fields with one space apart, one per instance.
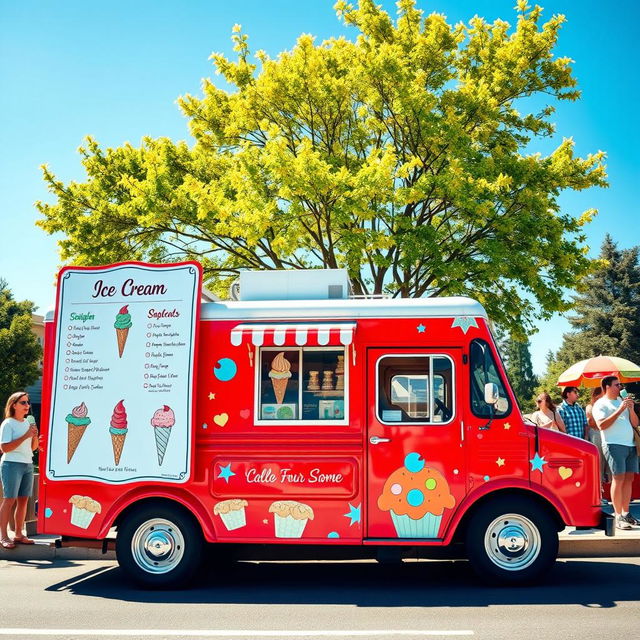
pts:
pixel 20 352
pixel 607 314
pixel 400 156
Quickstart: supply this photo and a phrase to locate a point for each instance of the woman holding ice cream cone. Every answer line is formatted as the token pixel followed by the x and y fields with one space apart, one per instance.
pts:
pixel 18 441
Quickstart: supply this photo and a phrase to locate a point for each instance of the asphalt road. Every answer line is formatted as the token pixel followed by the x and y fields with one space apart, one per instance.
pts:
pixel 583 598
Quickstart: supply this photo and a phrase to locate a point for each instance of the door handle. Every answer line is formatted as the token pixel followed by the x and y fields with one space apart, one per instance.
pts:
pixel 377 440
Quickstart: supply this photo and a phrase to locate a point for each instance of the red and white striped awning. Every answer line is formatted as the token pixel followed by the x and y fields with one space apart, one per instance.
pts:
pixel 278 335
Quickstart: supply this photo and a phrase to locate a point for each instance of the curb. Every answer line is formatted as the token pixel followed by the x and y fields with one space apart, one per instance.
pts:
pixel 593 543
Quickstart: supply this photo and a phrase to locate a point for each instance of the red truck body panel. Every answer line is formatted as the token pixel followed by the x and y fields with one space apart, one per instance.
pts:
pixel 307 467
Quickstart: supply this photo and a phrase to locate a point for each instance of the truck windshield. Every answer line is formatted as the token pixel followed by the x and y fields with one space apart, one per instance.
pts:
pixel 483 369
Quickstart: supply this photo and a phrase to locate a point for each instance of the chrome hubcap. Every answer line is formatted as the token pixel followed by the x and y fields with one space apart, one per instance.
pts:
pixel 157 546
pixel 512 542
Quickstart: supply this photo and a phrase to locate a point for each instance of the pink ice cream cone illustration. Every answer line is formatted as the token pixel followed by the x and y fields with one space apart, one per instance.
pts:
pixel 122 325
pixel 162 421
pixel 118 430
pixel 280 374
pixel 77 423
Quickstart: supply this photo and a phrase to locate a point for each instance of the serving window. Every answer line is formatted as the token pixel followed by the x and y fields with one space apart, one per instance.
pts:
pixel 302 385
pixel 415 389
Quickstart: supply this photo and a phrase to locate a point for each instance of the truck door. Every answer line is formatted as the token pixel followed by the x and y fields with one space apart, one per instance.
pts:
pixel 415 441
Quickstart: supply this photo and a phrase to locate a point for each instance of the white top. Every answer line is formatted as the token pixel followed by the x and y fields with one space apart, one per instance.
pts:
pixel 10 430
pixel 620 432
pixel 445 307
pixel 301 310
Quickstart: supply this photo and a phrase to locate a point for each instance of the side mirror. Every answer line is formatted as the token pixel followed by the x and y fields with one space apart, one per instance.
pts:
pixel 491 393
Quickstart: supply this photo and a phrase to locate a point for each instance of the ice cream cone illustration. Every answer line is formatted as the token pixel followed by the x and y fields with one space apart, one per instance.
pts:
pixel 122 325
pixel 280 374
pixel 118 430
pixel 162 421
pixel 77 423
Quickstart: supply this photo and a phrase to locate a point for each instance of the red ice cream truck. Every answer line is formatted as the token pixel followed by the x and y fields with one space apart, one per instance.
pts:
pixel 294 419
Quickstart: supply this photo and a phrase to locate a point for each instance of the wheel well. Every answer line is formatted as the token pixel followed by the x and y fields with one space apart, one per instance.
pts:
pixel 507 493
pixel 145 502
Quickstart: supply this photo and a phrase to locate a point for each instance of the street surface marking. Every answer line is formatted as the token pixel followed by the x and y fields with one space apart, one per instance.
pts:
pixel 236 633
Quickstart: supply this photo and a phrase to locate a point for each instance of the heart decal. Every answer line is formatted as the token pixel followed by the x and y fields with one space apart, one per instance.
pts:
pixel 245 413
pixel 221 419
pixel 565 472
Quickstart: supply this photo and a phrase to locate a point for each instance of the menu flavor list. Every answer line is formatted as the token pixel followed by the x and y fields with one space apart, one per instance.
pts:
pixel 122 389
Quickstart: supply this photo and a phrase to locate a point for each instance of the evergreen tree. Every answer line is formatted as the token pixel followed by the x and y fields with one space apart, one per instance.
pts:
pixel 520 370
pixel 607 314
pixel 20 352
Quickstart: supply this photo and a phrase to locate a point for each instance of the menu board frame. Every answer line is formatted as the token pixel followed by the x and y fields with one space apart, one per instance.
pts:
pixel 116 287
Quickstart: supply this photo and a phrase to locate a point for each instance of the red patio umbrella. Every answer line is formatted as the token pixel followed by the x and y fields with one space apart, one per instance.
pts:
pixel 590 372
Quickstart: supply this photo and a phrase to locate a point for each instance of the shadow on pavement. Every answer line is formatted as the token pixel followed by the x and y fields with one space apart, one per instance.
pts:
pixel 421 584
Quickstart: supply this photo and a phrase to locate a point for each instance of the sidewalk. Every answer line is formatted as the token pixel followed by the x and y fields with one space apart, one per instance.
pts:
pixel 587 543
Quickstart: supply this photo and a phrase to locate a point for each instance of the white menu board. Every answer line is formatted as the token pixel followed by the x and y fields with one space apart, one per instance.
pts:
pixel 123 373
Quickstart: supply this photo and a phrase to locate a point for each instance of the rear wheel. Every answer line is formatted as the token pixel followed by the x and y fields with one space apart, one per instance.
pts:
pixel 512 541
pixel 159 546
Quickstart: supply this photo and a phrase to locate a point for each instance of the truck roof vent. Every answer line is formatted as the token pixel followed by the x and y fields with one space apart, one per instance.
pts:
pixel 294 284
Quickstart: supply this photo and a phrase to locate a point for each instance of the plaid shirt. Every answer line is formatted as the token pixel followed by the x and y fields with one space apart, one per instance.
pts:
pixel 575 419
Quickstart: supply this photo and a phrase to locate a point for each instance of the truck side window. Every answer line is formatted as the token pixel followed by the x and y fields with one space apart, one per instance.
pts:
pixel 302 384
pixel 415 389
pixel 483 369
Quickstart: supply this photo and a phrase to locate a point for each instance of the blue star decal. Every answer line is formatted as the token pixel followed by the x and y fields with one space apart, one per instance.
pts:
pixel 354 514
pixel 226 473
pixel 537 462
pixel 465 323
pixel 421 328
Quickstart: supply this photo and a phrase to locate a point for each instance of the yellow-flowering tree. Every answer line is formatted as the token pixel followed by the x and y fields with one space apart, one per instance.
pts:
pixel 400 156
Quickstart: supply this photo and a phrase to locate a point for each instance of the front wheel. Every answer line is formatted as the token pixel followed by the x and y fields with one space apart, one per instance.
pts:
pixel 511 541
pixel 159 546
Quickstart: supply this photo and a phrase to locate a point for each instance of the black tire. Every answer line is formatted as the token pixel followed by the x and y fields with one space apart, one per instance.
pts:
pixel 511 540
pixel 159 546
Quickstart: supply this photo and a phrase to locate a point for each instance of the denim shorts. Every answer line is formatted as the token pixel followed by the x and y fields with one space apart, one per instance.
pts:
pixel 17 479
pixel 621 459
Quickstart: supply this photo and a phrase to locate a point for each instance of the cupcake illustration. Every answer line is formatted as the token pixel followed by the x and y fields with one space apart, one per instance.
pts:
pixel 280 374
pixel 83 510
pixel 290 518
pixel 77 423
pixel 118 430
pixel 162 421
pixel 232 513
pixel 122 325
pixel 416 497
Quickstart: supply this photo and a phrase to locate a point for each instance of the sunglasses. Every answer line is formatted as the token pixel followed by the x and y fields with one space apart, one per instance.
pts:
pixel 538 401
pixel 23 402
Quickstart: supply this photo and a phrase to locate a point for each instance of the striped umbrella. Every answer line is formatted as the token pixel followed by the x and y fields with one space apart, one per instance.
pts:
pixel 590 372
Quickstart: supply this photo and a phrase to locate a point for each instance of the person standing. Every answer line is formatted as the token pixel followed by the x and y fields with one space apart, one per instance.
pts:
pixel 575 419
pixel 18 441
pixel 546 415
pixel 615 419
pixel 595 437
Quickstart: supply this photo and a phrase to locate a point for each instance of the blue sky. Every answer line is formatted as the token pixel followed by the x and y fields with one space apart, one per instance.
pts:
pixel 114 70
